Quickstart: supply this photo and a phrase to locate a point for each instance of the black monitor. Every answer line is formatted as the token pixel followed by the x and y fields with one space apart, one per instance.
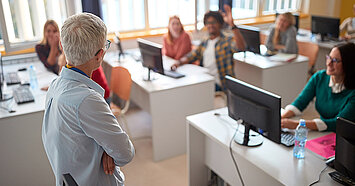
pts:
pixel 252 38
pixel 297 19
pixel 345 148
pixel 259 110
pixel 151 56
pixel 327 27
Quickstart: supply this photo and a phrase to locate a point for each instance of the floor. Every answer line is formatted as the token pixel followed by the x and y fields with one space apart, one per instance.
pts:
pixel 173 172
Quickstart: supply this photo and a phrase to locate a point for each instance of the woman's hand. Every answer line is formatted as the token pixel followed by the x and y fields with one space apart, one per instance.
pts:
pixel 53 41
pixel 289 123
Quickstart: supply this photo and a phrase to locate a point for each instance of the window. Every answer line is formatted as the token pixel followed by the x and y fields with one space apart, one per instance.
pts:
pixel 159 12
pixel 123 15
pixel 272 6
pixel 22 20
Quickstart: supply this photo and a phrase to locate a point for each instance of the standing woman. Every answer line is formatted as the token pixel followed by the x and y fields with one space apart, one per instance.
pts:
pixel 282 37
pixel 50 54
pixel 177 42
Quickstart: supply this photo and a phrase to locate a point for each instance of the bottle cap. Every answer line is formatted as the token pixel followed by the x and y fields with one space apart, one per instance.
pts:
pixel 302 122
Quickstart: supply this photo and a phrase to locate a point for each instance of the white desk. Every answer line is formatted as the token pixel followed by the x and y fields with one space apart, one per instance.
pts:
pixel 23 159
pixel 286 79
pixel 169 101
pixel 269 164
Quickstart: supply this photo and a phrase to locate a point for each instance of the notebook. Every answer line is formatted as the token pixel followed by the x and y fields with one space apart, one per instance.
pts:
pixel 323 147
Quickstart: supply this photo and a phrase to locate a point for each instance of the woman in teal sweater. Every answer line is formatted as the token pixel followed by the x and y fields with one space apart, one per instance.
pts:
pixel 334 89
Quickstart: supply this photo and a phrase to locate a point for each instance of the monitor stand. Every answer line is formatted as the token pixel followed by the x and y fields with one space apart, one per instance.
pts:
pixel 249 137
pixel 149 78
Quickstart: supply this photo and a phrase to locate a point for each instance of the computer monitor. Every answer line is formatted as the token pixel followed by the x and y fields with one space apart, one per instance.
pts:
pixel 327 27
pixel 151 56
pixel 252 38
pixel 259 110
pixel 297 19
pixel 345 148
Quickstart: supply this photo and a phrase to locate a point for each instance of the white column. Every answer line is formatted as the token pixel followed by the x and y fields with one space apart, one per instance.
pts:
pixel 39 16
pixel 8 19
pixel 23 19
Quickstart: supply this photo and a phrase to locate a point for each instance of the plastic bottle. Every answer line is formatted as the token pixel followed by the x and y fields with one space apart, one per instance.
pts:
pixel 300 139
pixel 33 78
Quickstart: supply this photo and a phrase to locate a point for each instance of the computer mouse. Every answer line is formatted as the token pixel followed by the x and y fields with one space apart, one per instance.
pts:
pixel 22 69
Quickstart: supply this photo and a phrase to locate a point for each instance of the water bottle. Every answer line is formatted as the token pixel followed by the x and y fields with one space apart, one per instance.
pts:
pixel 33 78
pixel 300 139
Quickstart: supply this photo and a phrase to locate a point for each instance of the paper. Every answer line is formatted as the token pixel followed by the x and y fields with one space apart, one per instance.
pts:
pixel 323 146
pixel 281 57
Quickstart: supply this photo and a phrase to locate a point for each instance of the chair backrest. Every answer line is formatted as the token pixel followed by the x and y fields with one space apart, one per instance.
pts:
pixel 310 50
pixel 121 82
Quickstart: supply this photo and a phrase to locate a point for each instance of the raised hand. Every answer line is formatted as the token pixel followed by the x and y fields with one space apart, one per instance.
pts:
pixel 227 16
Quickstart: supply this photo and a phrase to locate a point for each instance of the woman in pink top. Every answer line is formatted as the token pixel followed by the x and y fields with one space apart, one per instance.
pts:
pixel 177 42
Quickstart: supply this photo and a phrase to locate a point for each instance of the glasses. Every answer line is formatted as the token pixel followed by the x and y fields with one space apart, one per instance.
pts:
pixel 106 47
pixel 211 22
pixel 332 60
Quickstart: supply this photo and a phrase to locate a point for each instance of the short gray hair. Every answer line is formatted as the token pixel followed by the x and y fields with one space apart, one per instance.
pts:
pixel 82 35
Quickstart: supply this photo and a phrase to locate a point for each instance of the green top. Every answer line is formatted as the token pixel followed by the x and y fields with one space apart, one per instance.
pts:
pixel 329 105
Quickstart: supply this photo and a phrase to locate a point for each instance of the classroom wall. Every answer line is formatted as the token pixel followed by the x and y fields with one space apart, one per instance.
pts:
pixel 346 9
pixel 329 8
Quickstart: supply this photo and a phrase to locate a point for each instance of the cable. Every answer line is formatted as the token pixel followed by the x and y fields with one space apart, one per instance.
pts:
pixel 319 176
pixel 231 152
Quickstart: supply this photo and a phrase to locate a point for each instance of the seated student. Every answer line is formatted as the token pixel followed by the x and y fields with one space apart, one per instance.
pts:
pixel 177 42
pixel 51 56
pixel 333 88
pixel 282 37
pixel 348 25
pixel 48 49
pixel 216 51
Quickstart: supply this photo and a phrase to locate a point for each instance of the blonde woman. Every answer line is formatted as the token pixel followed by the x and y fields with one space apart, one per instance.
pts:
pixel 177 42
pixel 282 37
pixel 48 49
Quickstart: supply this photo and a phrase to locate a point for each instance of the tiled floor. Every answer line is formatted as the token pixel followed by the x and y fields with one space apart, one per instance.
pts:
pixel 143 171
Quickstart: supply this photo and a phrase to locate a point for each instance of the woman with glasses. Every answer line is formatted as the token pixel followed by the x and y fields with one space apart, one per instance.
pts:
pixel 50 54
pixel 333 88
pixel 282 37
pixel 177 42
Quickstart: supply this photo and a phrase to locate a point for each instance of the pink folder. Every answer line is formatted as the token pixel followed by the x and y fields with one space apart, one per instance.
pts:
pixel 323 146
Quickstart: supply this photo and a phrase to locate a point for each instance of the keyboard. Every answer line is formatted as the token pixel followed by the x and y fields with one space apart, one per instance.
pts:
pixel 23 94
pixel 173 74
pixel 12 78
pixel 287 139
pixel 338 177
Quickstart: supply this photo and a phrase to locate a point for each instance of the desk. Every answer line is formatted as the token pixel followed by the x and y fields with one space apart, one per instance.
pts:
pixel 269 164
pixel 324 46
pixel 286 79
pixel 23 159
pixel 169 101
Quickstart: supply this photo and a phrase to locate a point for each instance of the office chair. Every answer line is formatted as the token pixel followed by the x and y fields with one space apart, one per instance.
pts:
pixel 121 83
pixel 68 180
pixel 311 51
